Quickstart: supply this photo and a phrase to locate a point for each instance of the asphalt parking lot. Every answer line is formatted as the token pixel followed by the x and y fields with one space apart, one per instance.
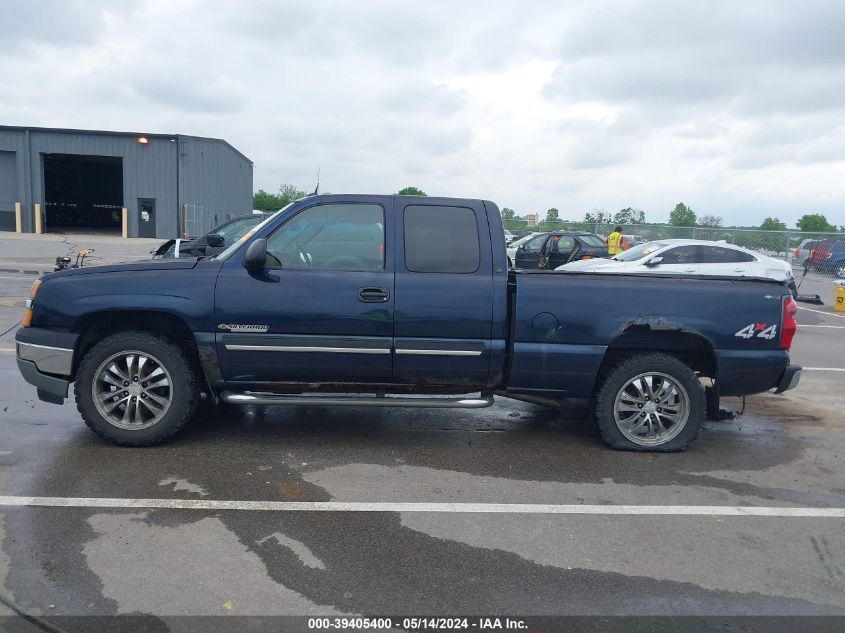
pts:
pixel 418 542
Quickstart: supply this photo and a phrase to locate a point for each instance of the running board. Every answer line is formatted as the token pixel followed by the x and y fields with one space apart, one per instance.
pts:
pixel 264 398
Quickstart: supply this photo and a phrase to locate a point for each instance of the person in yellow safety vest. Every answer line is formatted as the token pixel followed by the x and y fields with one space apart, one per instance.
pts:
pixel 614 242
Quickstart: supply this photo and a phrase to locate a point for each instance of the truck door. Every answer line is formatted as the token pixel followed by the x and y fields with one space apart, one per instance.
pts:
pixel 322 310
pixel 444 293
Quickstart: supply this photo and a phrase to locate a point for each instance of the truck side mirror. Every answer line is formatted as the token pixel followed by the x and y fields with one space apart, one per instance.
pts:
pixel 215 240
pixel 654 261
pixel 256 255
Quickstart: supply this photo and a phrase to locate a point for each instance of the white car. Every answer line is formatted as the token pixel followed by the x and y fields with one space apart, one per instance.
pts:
pixel 690 257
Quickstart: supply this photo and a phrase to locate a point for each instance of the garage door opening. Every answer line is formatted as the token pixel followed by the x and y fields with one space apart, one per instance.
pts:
pixel 83 193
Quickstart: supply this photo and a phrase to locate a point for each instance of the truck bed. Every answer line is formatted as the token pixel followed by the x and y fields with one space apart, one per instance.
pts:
pixel 563 324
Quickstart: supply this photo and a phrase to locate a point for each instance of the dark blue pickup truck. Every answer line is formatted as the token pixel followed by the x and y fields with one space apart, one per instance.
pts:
pixel 358 300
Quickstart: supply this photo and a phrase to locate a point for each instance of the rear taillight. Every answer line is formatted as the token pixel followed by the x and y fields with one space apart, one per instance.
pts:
pixel 797 252
pixel 790 325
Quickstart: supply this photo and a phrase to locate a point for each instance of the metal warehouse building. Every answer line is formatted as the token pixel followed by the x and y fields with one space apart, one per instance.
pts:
pixel 56 180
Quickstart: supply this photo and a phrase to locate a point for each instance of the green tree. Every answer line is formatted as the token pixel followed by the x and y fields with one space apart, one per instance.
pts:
pixel 411 191
pixel 508 214
pixel 772 224
pixel 267 202
pixel 682 215
pixel 289 193
pixel 263 201
pixel 598 216
pixel 629 215
pixel 552 215
pixel 815 223
pixel 710 221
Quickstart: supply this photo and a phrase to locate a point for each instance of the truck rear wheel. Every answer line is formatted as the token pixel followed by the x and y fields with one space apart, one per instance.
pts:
pixel 649 402
pixel 136 388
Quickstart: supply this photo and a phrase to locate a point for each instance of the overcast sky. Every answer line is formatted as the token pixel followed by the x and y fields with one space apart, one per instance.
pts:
pixel 736 108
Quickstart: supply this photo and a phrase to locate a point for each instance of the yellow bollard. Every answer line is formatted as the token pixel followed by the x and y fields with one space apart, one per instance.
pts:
pixel 125 222
pixel 38 218
pixel 839 295
pixel 18 217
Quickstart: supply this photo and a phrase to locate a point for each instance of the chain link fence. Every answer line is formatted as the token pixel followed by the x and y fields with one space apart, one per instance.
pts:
pixel 197 219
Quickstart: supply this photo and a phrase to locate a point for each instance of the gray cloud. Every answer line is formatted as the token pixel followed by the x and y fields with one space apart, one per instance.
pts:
pixel 68 23
pixel 735 108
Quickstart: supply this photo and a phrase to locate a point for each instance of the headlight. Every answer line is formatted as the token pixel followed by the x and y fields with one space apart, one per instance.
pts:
pixel 26 321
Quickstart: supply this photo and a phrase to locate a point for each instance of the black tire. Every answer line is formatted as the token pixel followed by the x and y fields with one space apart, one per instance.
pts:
pixel 185 388
pixel 616 377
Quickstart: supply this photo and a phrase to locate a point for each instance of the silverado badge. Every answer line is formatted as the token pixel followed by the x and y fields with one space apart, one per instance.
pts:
pixel 242 327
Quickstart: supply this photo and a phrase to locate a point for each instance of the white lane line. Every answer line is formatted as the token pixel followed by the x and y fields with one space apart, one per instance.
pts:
pixel 832 327
pixel 839 316
pixel 822 369
pixel 461 508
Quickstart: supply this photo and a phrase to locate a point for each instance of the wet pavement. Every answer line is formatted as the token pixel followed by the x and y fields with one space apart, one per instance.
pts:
pixel 85 561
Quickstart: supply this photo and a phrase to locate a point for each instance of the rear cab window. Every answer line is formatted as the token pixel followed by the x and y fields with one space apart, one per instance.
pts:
pixel 441 239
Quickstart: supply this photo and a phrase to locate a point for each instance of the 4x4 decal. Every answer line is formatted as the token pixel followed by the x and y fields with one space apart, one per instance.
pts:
pixel 760 330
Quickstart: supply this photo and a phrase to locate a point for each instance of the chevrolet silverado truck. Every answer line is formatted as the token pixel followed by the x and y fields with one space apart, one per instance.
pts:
pixel 368 300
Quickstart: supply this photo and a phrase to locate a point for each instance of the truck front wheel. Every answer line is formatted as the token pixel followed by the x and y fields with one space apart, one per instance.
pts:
pixel 649 402
pixel 136 388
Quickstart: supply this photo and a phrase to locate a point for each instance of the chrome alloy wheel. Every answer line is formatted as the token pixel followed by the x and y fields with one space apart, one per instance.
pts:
pixel 132 390
pixel 651 409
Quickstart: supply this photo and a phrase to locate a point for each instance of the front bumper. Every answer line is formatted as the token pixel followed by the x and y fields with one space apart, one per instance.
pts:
pixel 790 379
pixel 45 360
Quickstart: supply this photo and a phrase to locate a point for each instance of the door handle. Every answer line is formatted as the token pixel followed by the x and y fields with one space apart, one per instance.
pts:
pixel 689 270
pixel 373 295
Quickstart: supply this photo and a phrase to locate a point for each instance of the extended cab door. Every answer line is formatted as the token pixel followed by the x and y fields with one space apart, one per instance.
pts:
pixel 444 292
pixel 322 310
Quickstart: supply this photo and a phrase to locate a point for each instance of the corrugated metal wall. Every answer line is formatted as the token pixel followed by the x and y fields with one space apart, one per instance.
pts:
pixel 173 170
pixel 14 143
pixel 215 182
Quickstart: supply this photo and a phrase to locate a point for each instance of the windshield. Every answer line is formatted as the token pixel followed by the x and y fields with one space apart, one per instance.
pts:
pixel 638 252
pixel 234 247
pixel 522 240
pixel 234 230
pixel 591 240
